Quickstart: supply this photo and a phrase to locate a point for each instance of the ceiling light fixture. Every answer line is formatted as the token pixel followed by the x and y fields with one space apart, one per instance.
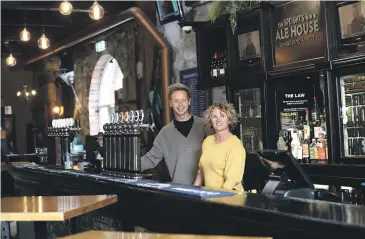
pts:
pixel 26 93
pixel 43 42
pixel 96 11
pixel 10 60
pixel 25 35
pixel 66 8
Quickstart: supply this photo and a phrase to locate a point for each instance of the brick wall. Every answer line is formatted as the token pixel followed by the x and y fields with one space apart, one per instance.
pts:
pixel 89 66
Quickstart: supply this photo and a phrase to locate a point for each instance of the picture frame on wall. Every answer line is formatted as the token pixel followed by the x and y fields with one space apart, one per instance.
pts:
pixel 351 17
pixel 249 48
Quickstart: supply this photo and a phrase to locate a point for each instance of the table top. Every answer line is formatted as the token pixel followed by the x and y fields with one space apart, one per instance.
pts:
pixel 51 208
pixel 142 235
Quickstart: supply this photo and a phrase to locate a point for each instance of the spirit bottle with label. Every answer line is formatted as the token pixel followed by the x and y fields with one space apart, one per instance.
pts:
pixel 213 67
pixel 313 151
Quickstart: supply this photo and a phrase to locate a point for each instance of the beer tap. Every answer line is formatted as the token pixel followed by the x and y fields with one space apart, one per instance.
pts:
pixel 113 134
pixel 125 142
pixel 106 146
pixel 119 143
pixel 61 133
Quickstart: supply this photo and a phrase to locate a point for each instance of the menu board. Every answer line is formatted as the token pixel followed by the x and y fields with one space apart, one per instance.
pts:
pixel 189 78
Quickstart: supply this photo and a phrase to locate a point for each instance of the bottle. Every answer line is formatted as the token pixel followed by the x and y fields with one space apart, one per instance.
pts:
pixel 281 145
pixel 299 146
pixel 305 148
pixel 306 126
pixel 320 151
pixel 316 120
pixel 213 67
pixel 315 111
pixel 313 151
pixel 294 146
pixel 68 163
pixel 222 70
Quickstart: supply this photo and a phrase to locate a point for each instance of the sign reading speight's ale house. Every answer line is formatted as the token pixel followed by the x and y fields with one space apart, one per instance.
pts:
pixel 298 32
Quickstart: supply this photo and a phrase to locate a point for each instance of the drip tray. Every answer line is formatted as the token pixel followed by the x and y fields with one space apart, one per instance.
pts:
pixel 127 175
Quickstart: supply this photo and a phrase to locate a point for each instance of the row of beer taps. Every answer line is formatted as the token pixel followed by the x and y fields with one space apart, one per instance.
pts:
pixel 63 127
pixel 122 143
pixel 129 122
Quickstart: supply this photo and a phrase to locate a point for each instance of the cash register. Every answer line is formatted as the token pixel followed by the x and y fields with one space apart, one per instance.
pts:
pixel 287 178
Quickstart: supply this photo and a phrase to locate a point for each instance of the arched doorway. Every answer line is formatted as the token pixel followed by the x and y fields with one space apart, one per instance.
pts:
pixel 106 79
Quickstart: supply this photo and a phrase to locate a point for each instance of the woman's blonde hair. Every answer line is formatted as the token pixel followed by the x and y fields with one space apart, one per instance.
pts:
pixel 225 107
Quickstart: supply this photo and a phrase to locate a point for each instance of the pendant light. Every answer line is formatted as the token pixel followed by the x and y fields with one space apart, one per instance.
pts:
pixel 25 35
pixel 10 60
pixel 66 8
pixel 43 42
pixel 96 11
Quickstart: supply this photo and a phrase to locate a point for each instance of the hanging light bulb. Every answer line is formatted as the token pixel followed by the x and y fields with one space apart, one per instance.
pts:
pixel 34 92
pixel 43 42
pixel 25 35
pixel 66 8
pixel 10 61
pixel 96 12
pixel 18 93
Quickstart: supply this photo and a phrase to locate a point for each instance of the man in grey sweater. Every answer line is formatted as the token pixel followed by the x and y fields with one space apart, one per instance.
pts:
pixel 180 141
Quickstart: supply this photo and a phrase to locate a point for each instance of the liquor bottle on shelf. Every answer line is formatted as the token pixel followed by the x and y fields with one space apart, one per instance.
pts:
pixel 281 145
pixel 305 148
pixel 213 67
pixel 315 110
pixel 225 63
pixel 313 155
pixel 307 127
pixel 321 152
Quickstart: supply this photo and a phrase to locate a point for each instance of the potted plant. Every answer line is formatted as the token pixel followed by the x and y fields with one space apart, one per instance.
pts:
pixel 231 8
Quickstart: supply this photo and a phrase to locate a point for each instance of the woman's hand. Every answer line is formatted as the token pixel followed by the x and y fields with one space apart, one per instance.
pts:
pixel 199 179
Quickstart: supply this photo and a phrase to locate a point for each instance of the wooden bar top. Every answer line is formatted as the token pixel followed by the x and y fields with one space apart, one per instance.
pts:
pixel 51 208
pixel 142 235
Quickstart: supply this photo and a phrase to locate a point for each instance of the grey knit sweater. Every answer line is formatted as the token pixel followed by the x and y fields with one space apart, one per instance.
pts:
pixel 181 153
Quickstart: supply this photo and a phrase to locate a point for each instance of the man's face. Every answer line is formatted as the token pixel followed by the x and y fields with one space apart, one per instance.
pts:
pixel 180 102
pixel 357 10
pixel 249 38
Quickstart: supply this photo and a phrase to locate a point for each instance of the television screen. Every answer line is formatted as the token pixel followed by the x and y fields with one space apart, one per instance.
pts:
pixel 249 45
pixel 169 10
pixel 352 20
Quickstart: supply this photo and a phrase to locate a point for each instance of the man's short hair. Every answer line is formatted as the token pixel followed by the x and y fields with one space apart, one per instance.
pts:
pixel 178 87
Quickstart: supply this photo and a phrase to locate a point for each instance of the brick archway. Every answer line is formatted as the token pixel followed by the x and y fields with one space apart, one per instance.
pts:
pixel 94 91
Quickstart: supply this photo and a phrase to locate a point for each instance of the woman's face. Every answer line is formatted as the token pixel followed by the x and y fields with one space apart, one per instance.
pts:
pixel 220 120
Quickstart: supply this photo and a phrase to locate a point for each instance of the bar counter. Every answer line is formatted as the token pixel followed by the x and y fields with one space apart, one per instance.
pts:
pixel 243 214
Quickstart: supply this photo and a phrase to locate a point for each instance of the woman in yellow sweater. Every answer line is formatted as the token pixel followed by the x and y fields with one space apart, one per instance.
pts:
pixel 222 162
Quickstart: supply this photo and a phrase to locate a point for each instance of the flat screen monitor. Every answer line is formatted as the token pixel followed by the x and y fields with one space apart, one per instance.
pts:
pixel 285 160
pixel 169 10
pixel 352 20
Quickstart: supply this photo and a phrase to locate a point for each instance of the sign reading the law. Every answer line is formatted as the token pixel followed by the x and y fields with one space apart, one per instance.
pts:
pixel 298 32
pixel 295 101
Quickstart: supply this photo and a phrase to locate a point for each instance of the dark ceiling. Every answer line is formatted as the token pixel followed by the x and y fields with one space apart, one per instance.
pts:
pixel 39 14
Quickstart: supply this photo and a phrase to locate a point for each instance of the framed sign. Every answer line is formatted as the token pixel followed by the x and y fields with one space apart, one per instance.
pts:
pixel 189 78
pixel 298 32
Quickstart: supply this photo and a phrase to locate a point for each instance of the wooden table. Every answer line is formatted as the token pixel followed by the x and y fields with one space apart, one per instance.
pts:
pixel 142 235
pixel 50 208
